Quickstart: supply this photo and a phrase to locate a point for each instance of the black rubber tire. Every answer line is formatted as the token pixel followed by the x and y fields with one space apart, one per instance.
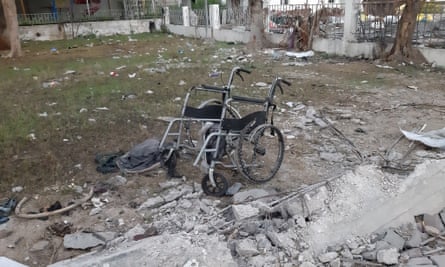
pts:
pixel 260 153
pixel 221 185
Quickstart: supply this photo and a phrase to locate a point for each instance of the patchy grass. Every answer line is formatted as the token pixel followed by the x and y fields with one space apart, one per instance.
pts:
pixel 61 106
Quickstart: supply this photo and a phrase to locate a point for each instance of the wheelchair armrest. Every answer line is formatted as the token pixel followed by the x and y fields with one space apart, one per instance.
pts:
pixel 213 88
pixel 249 99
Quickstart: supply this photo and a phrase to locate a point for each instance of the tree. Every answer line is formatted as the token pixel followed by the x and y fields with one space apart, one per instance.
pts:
pixel 258 38
pixel 402 48
pixel 9 33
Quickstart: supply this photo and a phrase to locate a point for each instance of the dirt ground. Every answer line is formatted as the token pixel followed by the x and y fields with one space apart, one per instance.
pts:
pixel 367 102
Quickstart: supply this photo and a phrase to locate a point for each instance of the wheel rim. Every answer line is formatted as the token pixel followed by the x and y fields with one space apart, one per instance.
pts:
pixel 260 154
pixel 220 182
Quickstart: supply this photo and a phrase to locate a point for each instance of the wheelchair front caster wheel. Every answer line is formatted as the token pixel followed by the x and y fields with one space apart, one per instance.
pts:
pixel 220 188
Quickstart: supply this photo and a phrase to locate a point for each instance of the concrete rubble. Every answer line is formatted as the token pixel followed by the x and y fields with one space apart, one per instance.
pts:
pixel 363 217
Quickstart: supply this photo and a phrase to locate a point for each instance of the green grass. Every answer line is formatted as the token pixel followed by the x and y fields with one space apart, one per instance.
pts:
pixel 65 136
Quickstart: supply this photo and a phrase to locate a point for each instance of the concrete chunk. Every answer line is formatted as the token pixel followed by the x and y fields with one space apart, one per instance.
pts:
pixel 247 248
pixel 439 260
pixel 281 240
pixel 151 203
pixel 394 239
pixel 415 240
pixel 249 194
pixel 388 256
pixel 433 221
pixel 81 241
pixel 244 211
pixel 419 261
pixel 327 257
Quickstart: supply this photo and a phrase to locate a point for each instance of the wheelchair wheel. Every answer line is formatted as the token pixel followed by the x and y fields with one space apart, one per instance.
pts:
pixel 260 152
pixel 220 182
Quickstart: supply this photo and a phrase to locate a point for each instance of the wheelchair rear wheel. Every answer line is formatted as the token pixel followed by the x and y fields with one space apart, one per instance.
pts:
pixel 260 152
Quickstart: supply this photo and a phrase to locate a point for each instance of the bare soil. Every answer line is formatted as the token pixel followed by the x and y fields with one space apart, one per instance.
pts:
pixel 368 105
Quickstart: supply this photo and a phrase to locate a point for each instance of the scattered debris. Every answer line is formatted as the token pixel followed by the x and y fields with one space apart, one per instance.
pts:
pixel 435 138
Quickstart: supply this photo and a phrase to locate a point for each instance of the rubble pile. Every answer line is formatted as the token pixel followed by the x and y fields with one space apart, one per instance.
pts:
pixel 310 226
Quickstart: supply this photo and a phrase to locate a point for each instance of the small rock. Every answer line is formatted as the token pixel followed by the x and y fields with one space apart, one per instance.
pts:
pixel 419 261
pixel 327 257
pixel 39 246
pixel 17 189
pixel 261 84
pixel 95 211
pixel 434 221
pixel 249 194
pixel 394 239
pixel 234 189
pixel 332 157
pixel 307 264
pixel 247 248
pixel 281 240
pixel 415 240
pixel 170 183
pixel 172 194
pixel 181 82
pixel 117 180
pixel 370 255
pixel 388 256
pixel 137 230
pixel 244 211
pixel 152 203
pixel 335 263
pixel 263 243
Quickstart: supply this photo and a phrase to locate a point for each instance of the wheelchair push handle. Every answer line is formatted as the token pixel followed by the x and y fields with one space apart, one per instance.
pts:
pixel 277 83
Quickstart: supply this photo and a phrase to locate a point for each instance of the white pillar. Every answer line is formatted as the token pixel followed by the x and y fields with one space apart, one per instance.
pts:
pixel 166 15
pixel 214 17
pixel 350 23
pixel 185 16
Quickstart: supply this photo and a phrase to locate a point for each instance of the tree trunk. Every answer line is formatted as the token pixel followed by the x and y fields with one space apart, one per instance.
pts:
pixel 12 27
pixel 403 49
pixel 257 36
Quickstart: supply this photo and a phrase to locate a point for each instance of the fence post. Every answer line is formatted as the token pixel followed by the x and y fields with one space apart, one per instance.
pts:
pixel 166 15
pixel 350 25
pixel 214 17
pixel 185 16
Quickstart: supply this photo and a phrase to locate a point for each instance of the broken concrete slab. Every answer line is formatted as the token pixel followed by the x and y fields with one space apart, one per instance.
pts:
pixel 162 250
pixel 81 241
pixel 10 263
pixel 362 205
pixel 438 260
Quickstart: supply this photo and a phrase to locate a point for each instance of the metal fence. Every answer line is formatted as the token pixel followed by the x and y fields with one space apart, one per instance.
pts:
pixel 81 14
pixel 176 16
pixel 328 17
pixel 378 22
pixel 236 16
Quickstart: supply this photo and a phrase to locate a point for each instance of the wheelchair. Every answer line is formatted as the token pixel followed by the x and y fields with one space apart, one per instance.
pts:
pixel 250 144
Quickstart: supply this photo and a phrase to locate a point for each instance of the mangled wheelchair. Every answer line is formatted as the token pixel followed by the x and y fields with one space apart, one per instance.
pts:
pixel 250 144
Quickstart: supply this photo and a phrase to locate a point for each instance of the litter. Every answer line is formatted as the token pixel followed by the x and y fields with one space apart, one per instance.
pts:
pixel 305 54
pixel 435 138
